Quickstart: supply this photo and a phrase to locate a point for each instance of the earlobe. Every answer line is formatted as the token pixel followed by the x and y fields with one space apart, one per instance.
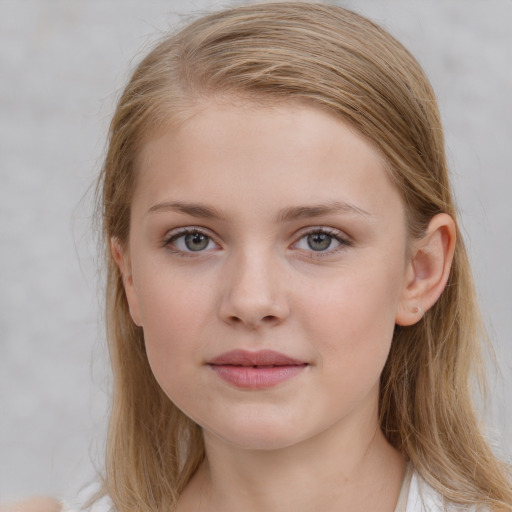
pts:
pixel 122 259
pixel 428 269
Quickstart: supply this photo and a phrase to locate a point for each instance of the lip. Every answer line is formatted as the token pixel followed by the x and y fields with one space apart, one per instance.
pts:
pixel 256 370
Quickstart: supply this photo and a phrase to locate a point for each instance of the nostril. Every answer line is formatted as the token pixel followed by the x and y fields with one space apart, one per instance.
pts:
pixel 253 323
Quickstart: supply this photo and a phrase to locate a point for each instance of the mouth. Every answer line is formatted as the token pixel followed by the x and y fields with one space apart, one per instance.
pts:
pixel 256 370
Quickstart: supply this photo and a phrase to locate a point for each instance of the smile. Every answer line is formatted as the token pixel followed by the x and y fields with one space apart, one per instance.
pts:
pixel 256 370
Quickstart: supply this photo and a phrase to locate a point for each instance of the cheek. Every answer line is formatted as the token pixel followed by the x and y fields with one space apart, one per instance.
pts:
pixel 175 315
pixel 170 300
pixel 352 318
pixel 353 333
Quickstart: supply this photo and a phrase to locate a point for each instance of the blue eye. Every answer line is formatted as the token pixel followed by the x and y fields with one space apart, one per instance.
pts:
pixel 191 241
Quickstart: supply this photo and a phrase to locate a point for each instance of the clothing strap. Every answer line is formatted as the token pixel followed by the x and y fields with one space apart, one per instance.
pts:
pixel 401 505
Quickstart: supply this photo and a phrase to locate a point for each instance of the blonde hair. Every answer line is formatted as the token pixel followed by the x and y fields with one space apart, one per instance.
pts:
pixel 338 60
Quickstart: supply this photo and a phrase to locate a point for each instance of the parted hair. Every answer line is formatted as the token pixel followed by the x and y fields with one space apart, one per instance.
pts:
pixel 337 60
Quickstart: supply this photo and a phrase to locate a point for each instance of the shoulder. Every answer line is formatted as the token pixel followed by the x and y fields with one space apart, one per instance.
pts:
pixel 102 505
pixel 423 498
pixel 89 499
pixel 36 504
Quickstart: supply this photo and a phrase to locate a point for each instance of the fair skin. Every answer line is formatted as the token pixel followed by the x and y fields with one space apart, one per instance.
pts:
pixel 277 229
pixel 35 504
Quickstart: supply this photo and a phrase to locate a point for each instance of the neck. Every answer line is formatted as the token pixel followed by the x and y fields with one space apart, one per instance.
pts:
pixel 359 471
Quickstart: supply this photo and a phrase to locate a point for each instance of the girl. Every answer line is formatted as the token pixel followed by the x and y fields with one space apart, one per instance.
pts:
pixel 290 310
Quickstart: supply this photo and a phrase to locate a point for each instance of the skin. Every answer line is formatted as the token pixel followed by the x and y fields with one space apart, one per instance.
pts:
pixel 257 183
pixel 35 504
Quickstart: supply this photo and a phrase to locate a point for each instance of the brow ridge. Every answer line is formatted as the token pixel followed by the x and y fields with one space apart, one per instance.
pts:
pixel 319 210
pixel 192 209
pixel 285 215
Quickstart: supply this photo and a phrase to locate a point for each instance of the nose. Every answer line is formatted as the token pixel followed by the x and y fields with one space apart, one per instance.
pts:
pixel 254 293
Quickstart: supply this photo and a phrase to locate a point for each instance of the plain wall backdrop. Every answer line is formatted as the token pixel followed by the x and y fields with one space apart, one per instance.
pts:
pixel 62 66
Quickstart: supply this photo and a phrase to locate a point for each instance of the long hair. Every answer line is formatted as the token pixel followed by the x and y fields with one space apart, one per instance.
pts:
pixel 337 60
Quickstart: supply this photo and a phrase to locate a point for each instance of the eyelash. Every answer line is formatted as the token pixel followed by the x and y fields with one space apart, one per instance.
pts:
pixel 333 234
pixel 183 232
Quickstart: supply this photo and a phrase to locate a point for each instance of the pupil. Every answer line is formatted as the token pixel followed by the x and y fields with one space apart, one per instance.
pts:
pixel 196 241
pixel 319 241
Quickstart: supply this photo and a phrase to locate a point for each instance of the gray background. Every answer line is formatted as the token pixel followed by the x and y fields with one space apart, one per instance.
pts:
pixel 62 64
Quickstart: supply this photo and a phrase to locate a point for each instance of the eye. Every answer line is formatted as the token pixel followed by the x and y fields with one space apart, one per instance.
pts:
pixel 321 240
pixel 190 240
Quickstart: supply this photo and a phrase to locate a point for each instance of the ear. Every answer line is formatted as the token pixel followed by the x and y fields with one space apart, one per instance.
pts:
pixel 122 258
pixel 427 270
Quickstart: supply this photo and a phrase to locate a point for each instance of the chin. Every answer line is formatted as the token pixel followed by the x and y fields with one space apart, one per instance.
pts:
pixel 258 435
pixel 260 442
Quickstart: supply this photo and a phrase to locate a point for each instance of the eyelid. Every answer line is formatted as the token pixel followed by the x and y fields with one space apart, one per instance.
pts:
pixel 328 230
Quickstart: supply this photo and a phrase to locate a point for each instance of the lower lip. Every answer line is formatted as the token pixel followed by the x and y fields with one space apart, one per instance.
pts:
pixel 250 377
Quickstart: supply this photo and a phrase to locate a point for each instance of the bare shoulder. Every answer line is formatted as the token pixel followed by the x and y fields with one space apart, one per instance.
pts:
pixel 36 504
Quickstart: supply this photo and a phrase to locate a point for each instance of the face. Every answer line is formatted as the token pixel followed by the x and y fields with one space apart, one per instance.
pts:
pixel 266 264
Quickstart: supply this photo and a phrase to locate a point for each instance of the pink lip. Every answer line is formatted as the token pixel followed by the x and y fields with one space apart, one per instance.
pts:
pixel 256 370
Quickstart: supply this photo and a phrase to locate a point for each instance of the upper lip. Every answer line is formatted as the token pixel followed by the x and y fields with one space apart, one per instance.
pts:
pixel 260 358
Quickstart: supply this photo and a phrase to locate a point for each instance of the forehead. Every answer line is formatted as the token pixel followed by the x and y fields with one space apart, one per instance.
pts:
pixel 288 152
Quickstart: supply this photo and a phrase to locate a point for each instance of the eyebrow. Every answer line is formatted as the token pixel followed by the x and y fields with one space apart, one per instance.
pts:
pixel 285 215
pixel 192 209
pixel 335 207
